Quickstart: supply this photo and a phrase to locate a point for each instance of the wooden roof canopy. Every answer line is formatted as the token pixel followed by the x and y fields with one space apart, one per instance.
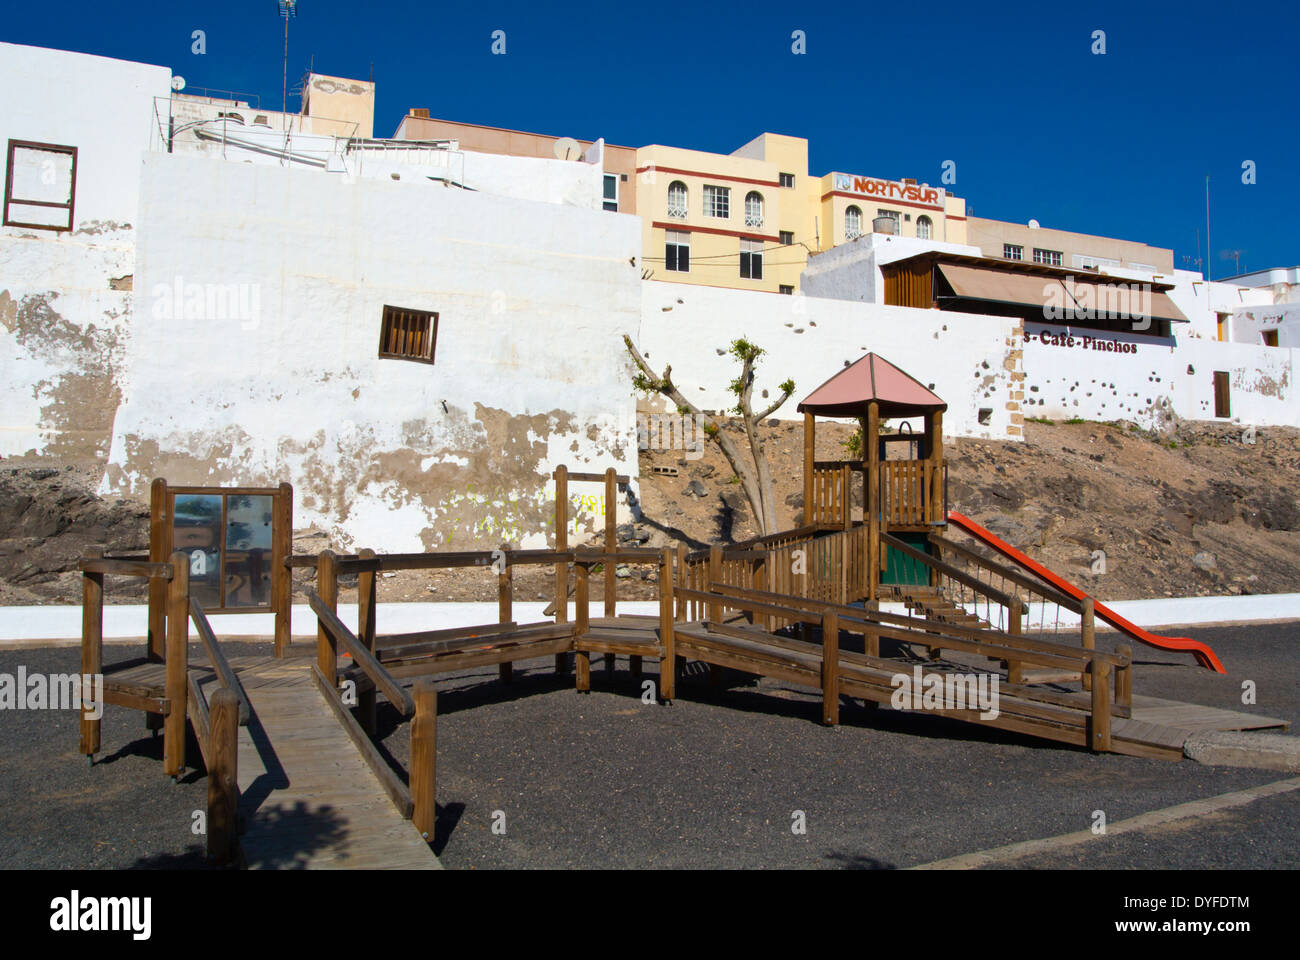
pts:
pixel 911 282
pixel 872 378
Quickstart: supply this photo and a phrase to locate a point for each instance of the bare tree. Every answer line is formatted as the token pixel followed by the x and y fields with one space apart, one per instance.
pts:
pixel 753 472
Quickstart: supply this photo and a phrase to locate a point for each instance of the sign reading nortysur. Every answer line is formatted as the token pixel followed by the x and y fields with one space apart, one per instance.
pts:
pixel 895 190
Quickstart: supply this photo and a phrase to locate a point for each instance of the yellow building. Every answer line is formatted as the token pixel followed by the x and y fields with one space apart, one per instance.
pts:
pixel 750 218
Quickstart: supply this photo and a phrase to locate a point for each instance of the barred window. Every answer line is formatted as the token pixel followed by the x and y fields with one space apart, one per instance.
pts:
pixel 852 223
pixel 677 200
pixel 408 334
pixel 923 227
pixel 753 209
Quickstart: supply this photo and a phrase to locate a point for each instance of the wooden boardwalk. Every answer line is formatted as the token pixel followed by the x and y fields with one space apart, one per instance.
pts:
pixel 308 799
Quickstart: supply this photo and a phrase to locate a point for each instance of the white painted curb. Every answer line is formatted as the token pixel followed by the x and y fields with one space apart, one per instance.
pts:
pixel 127 621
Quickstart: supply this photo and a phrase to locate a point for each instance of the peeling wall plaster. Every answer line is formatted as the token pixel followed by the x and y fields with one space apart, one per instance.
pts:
pixel 63 327
pixel 532 301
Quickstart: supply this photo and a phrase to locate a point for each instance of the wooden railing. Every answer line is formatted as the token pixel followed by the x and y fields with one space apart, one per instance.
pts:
pixel 873 625
pixel 415 800
pixel 215 720
pixel 912 492
pixel 832 493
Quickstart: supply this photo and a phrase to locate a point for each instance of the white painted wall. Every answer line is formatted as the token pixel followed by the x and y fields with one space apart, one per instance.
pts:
pixel 965 357
pixel 102 107
pixel 851 271
pixel 532 300
pixel 1250 323
pixel 1160 378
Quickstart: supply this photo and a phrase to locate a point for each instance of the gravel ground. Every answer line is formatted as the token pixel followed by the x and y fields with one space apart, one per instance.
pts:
pixel 603 780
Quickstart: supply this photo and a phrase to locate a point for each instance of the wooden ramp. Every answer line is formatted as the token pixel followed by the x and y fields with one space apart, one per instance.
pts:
pixel 308 799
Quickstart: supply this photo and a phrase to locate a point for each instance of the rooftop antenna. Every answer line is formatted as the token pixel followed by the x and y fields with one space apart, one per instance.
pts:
pixel 288 10
pixel 1236 256
pixel 1208 248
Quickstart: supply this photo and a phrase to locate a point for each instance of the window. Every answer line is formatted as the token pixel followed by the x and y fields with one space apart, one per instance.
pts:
pixel 852 223
pixel 677 200
pixel 787 289
pixel 753 209
pixel 40 185
pixel 895 216
pixel 1050 257
pixel 1223 326
pixel 611 192
pixel 787 238
pixel 1270 337
pixel 751 259
pixel 408 334
pixel 677 251
pixel 787 179
pixel 1089 262
pixel 923 227
pixel 1013 251
pixel 717 202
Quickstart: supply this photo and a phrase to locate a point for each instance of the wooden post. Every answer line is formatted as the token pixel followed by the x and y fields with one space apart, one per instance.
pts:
pixel 871 447
pixel 759 576
pixel 611 546
pixel 505 608
pixel 282 575
pixel 561 568
pixel 830 668
pixel 715 575
pixel 367 597
pixel 92 648
pixel 1087 635
pixel 846 489
pixel 871 636
pixel 327 587
pixel 1124 676
pixel 424 758
pixel 809 457
pixel 176 682
pixel 1015 669
pixel 159 539
pixel 158 524
pixel 1099 728
pixel 223 776
pixel 935 510
pixel 582 658
pixel 668 662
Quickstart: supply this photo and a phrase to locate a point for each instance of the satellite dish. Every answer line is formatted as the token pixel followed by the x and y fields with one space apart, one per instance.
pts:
pixel 566 148
pixel 178 83
pixel 1033 224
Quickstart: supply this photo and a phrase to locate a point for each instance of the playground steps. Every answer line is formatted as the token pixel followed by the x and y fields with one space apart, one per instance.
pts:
pixel 308 799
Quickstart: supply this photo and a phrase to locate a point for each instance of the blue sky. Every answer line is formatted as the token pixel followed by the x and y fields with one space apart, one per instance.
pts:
pixel 1038 126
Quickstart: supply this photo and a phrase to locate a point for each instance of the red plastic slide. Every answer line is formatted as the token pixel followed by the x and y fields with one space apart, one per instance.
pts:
pixel 1204 655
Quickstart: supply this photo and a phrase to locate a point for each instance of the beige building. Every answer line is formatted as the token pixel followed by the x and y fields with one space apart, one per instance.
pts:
pixel 750 219
pixel 619 163
pixel 1061 248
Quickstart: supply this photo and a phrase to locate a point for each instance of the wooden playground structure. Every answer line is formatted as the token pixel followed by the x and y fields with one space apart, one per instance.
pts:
pixel 804 607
